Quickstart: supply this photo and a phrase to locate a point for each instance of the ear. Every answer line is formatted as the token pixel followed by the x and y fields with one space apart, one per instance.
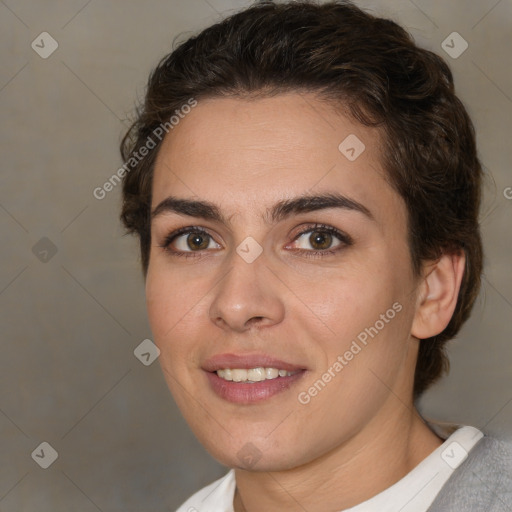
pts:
pixel 438 293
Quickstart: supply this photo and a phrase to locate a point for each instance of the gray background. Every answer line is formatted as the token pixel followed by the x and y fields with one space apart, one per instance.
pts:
pixel 70 321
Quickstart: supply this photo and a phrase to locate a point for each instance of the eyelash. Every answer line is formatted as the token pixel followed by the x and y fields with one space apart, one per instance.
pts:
pixel 345 240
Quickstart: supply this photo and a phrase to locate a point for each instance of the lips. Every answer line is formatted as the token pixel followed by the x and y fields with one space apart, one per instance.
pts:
pixel 249 392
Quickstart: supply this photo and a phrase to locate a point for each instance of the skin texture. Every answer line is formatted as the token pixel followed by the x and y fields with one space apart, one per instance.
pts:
pixel 360 433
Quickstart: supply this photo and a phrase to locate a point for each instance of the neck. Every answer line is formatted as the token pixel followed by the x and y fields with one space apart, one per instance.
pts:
pixel 346 476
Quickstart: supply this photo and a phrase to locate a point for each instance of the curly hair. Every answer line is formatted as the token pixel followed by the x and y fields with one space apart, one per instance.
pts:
pixel 371 68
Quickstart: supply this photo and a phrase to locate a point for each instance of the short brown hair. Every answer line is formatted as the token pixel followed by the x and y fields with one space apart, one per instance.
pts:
pixel 370 67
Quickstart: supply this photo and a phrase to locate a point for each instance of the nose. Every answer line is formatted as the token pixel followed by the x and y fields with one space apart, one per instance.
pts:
pixel 248 296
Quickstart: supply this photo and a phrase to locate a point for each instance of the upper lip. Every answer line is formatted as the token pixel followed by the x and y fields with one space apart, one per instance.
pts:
pixel 246 361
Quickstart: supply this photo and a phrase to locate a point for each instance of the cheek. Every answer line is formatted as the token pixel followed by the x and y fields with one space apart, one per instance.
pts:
pixel 177 310
pixel 351 299
pixel 365 318
pixel 167 308
pixel 167 303
pixel 159 302
pixel 360 364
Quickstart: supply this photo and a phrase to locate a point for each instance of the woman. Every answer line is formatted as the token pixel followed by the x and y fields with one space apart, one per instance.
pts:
pixel 305 186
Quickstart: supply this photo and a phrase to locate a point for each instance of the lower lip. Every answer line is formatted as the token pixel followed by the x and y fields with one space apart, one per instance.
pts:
pixel 247 393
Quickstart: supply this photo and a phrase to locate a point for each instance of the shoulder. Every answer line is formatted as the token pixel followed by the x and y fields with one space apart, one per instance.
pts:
pixel 483 481
pixel 217 496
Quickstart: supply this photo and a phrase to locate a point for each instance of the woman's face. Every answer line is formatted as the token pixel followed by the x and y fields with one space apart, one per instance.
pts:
pixel 267 280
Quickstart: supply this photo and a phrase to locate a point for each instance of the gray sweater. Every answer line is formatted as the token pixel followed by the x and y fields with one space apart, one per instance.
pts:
pixel 482 483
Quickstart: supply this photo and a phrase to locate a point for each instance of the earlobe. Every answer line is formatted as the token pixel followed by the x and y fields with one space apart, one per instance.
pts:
pixel 438 293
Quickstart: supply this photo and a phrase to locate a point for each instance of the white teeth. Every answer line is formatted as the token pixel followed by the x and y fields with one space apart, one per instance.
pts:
pixel 239 375
pixel 256 374
pixel 252 374
pixel 271 373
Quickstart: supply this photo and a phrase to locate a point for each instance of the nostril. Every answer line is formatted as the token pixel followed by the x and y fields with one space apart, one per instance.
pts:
pixel 255 320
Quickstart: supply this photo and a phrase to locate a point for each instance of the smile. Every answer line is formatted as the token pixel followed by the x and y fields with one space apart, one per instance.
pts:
pixel 251 377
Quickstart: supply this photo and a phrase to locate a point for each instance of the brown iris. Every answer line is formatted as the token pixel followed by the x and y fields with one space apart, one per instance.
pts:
pixel 321 238
pixel 197 241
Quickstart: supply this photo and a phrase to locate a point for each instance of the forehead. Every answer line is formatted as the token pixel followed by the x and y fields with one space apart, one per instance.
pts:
pixel 251 153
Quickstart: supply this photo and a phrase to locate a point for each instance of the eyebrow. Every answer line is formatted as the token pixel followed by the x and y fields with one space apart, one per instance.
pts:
pixel 278 212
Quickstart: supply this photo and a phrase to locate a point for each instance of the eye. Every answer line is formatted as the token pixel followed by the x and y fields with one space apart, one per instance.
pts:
pixel 185 241
pixel 321 240
pixel 324 240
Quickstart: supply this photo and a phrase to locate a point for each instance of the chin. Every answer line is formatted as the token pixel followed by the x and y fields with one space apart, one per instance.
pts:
pixel 253 452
